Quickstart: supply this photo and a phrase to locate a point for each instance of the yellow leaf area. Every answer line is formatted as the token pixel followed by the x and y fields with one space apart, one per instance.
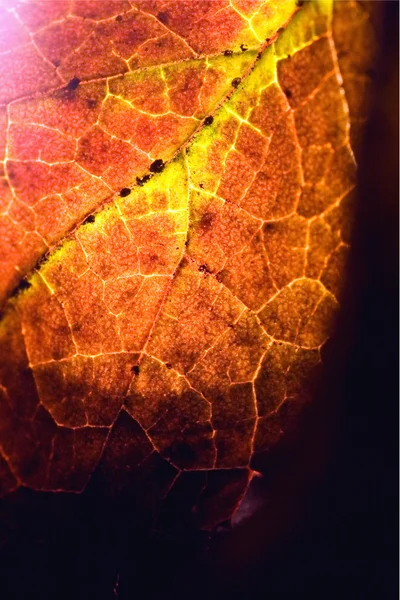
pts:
pixel 96 91
pixel 180 328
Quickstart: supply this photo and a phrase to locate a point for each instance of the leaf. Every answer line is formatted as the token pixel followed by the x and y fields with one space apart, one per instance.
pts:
pixel 198 212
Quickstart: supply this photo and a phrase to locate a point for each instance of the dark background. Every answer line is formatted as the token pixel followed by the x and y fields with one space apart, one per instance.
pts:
pixel 328 527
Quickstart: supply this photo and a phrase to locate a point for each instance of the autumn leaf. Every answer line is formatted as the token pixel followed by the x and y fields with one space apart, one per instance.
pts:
pixel 176 216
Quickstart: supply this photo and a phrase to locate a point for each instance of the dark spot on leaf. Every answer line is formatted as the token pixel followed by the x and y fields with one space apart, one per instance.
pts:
pixel 206 221
pixel 288 93
pixel 89 219
pixel 299 2
pixel 168 365
pixel 23 285
pixel 125 192
pixel 142 180
pixel 163 17
pixel 91 103
pixel 43 260
pixel 202 186
pixel 208 120
pixel 269 226
pixel 157 166
pixel 119 18
pixel 236 82
pixel 218 277
pixel 73 84
pixel 204 269
pixel 56 63
pixel 135 369
pixel 259 55
pixel 228 52
pixel 268 40
pixel 243 47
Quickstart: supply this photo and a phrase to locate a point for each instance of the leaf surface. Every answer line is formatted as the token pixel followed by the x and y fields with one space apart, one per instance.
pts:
pixel 173 334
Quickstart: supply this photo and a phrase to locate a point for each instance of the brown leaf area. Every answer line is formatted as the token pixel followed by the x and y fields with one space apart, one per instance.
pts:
pixel 173 335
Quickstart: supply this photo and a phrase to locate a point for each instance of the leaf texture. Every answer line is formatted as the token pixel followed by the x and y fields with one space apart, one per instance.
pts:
pixel 189 170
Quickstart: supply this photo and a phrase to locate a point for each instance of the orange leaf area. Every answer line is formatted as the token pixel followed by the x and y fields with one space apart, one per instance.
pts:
pixel 174 332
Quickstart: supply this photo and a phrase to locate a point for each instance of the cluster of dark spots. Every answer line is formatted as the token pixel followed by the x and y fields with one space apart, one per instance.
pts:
pixel 142 180
pixel 89 219
pixel 168 365
pixel 119 18
pixel 287 93
pixel 23 285
pixel 259 55
pixel 243 47
pixel 204 269
pixel 157 166
pixel 135 369
pixel 73 84
pixel 236 82
pixel 228 52
pixel 209 120
pixel 125 192
pixel 163 17
pixel 43 260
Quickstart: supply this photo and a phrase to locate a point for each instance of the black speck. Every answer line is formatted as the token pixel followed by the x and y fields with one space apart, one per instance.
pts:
pixel 163 17
pixel 209 120
pixel 243 48
pixel 91 103
pixel 204 269
pixel 259 55
pixel 135 369
pixel 269 226
pixel 288 56
pixel 142 180
pixel 288 93
pixel 89 219
pixel 228 52
pixel 236 82
pixel 73 84
pixel 168 365
pixel 299 2
pixel 23 285
pixel 268 40
pixel 202 186
pixel 157 166
pixel 125 192
pixel 119 18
